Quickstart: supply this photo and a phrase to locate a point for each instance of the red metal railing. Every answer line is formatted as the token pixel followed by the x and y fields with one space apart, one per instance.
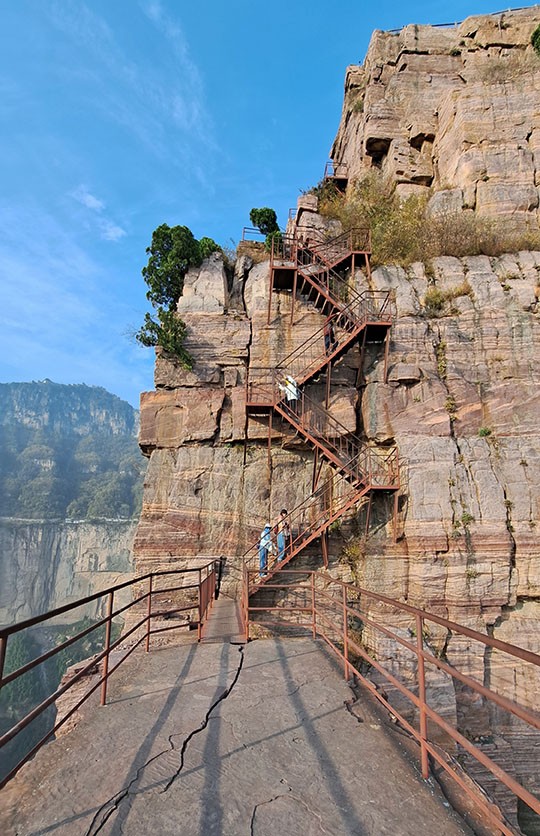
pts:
pixel 200 595
pixel 371 307
pixel 306 522
pixel 354 240
pixel 333 169
pixel 357 625
pixel 342 448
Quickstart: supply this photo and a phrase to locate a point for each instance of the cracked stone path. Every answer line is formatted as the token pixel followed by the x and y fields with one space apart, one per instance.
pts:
pixel 227 739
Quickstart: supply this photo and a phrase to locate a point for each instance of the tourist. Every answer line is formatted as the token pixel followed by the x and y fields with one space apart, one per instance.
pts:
pixel 283 534
pixel 289 387
pixel 265 544
pixel 330 342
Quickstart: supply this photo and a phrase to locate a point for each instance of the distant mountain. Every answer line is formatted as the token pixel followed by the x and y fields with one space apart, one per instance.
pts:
pixel 68 451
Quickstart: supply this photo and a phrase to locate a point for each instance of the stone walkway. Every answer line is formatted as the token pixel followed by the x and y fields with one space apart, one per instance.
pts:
pixel 218 738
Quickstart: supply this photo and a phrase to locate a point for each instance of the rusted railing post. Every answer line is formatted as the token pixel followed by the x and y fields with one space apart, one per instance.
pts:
pixel 313 610
pixel 149 612
pixel 3 650
pixel 246 603
pixel 347 670
pixel 199 625
pixel 422 696
pixel 105 665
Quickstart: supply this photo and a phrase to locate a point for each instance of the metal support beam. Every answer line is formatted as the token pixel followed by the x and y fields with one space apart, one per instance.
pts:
pixel 328 383
pixel 386 351
pixel 295 283
pixel 368 515
pixel 396 505
pixel 270 289
pixel 315 478
pixel 368 267
pixel 270 440
pixel 360 374
pixel 324 544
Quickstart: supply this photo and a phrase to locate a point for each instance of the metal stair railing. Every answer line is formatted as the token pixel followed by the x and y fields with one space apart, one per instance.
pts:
pixel 306 522
pixel 322 430
pixel 312 355
pixel 334 287
pixel 314 263
pixel 355 239
pixel 284 249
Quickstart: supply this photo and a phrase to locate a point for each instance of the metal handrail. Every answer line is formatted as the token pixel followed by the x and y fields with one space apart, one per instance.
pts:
pixel 311 355
pixel 333 169
pixel 201 604
pixel 318 426
pixel 252 233
pixel 307 521
pixel 355 239
pixel 334 607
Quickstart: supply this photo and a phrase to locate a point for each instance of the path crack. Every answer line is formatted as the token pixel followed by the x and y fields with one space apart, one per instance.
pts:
pixel 288 794
pixel 206 720
pixel 116 799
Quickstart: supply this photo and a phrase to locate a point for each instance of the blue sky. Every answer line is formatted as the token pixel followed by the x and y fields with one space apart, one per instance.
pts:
pixel 120 115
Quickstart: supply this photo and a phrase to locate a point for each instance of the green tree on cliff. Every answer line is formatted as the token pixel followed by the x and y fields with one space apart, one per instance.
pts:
pixel 172 252
pixel 265 219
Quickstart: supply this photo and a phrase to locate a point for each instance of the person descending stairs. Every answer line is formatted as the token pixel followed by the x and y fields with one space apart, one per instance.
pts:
pixel 351 317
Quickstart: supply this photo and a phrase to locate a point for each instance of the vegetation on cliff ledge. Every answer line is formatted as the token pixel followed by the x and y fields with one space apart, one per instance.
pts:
pixel 172 252
pixel 405 231
pixel 265 219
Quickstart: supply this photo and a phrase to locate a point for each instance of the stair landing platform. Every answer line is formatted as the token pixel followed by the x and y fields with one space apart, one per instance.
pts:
pixel 230 739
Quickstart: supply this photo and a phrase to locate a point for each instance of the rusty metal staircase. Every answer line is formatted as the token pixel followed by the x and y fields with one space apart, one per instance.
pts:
pixel 308 521
pixel 357 317
pixel 312 270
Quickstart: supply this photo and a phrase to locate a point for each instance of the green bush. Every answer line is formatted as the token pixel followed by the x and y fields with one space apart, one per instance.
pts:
pixel 168 331
pixel 272 236
pixel 172 252
pixel 207 246
pixel 434 301
pixel 265 219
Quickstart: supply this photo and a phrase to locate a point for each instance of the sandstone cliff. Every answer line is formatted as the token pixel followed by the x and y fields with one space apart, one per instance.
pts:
pixel 431 109
pixel 455 109
pixel 48 564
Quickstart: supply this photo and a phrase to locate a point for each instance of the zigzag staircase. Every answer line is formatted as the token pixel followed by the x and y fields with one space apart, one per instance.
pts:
pixel 357 317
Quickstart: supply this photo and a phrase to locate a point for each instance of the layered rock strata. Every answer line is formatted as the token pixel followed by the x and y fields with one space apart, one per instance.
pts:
pixel 455 109
pixel 49 564
pixel 211 484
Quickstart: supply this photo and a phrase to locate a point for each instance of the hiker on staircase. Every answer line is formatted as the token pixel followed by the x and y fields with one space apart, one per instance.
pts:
pixel 289 387
pixel 330 342
pixel 283 534
pixel 265 545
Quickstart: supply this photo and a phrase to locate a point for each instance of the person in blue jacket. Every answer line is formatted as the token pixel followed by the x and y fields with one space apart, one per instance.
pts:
pixel 264 547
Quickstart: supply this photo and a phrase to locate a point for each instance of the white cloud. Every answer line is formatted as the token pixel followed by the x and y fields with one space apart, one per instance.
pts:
pixel 83 196
pixel 108 229
pixel 111 231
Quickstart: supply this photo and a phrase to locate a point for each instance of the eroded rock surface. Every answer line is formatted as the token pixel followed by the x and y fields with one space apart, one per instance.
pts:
pixel 455 109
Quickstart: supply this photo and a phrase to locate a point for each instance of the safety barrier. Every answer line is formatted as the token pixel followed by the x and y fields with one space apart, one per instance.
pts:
pixel 356 625
pixel 197 598
pixel 307 521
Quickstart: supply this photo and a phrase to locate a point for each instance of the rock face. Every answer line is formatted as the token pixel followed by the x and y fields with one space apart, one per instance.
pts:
pixel 442 108
pixel 70 481
pixel 210 485
pixel 455 109
pixel 48 564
